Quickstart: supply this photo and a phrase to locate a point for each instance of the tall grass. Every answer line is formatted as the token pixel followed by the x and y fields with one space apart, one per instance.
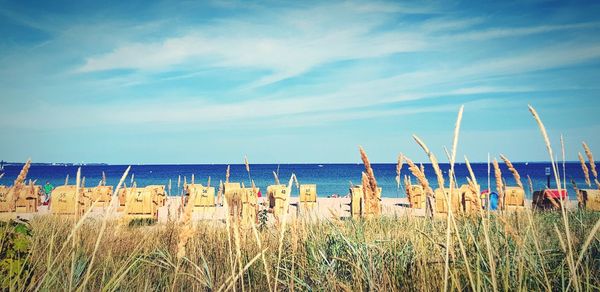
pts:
pixel 388 253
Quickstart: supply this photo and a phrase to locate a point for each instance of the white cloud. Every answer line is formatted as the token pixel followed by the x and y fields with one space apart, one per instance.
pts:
pixel 287 45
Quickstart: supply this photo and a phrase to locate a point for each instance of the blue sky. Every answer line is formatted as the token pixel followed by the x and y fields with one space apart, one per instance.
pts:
pixel 299 81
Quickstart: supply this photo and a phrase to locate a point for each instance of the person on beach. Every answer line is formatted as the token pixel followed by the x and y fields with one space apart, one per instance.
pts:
pixel 48 187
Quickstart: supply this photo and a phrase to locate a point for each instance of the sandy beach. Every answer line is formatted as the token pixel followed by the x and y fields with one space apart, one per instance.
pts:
pixel 326 208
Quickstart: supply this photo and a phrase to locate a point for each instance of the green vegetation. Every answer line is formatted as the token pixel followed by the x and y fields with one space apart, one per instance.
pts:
pixel 390 253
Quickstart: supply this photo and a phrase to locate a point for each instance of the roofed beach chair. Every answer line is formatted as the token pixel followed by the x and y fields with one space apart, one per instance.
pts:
pixel 233 196
pixel 416 196
pixel 374 208
pixel 514 198
pixel 122 195
pixel 548 199
pixel 7 202
pixel 202 198
pixel 159 193
pixel 469 199
pixel 590 199
pixel 249 201
pixel 278 200
pixel 65 200
pixel 27 198
pixel 141 203
pixel 356 197
pixel 441 206
pixel 100 196
pixel 308 197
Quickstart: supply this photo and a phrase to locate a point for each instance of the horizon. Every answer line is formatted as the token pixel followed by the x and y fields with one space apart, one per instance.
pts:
pixel 210 82
pixel 281 163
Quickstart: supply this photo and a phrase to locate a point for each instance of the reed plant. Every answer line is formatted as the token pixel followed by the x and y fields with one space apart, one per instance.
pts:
pixel 385 253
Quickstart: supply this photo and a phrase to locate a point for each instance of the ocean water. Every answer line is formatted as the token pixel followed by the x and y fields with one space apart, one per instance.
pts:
pixel 330 178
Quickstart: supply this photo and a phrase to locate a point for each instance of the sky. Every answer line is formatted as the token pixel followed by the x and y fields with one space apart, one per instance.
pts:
pixel 295 82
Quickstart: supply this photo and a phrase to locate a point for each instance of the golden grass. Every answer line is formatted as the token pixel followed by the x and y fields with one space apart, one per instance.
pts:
pixel 399 169
pixel 584 168
pixel 370 188
pixel 570 258
pixel 499 183
pixel 590 156
pixel 390 254
pixel 23 173
pixel 513 170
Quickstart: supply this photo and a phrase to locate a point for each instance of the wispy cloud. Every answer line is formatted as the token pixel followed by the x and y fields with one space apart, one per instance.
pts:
pixel 287 45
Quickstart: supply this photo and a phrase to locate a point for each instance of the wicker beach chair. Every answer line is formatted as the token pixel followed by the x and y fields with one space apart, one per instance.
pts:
pixel 141 203
pixel 441 206
pixel 278 200
pixel 249 201
pixel 416 196
pixel 590 199
pixel 308 197
pixel 202 198
pixel 65 200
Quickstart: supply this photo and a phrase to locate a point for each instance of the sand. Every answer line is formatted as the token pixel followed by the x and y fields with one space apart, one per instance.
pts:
pixel 326 208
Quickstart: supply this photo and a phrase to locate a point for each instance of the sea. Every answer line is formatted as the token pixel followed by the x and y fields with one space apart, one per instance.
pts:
pixel 331 179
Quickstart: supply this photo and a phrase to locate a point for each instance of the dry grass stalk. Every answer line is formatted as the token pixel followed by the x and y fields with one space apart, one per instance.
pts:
pixel 371 190
pixel 187 230
pixel 23 173
pixel 296 182
pixel 282 233
pixel 552 201
pixel 450 221
pixel 407 190
pixel 114 199
pixel 227 174
pixel 75 237
pixel 588 153
pixel 499 184
pixel 220 193
pixel 475 188
pixel 366 207
pixel 564 161
pixel 530 183
pixel 67 180
pixel 103 178
pixel 246 163
pixel 586 171
pixel 448 198
pixel 513 170
pixel 416 171
pixel 570 258
pixel 434 162
pixel 590 156
pixel 399 168
pixel 276 178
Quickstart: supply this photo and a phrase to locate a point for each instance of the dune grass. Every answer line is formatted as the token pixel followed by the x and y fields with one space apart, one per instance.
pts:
pixel 388 253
